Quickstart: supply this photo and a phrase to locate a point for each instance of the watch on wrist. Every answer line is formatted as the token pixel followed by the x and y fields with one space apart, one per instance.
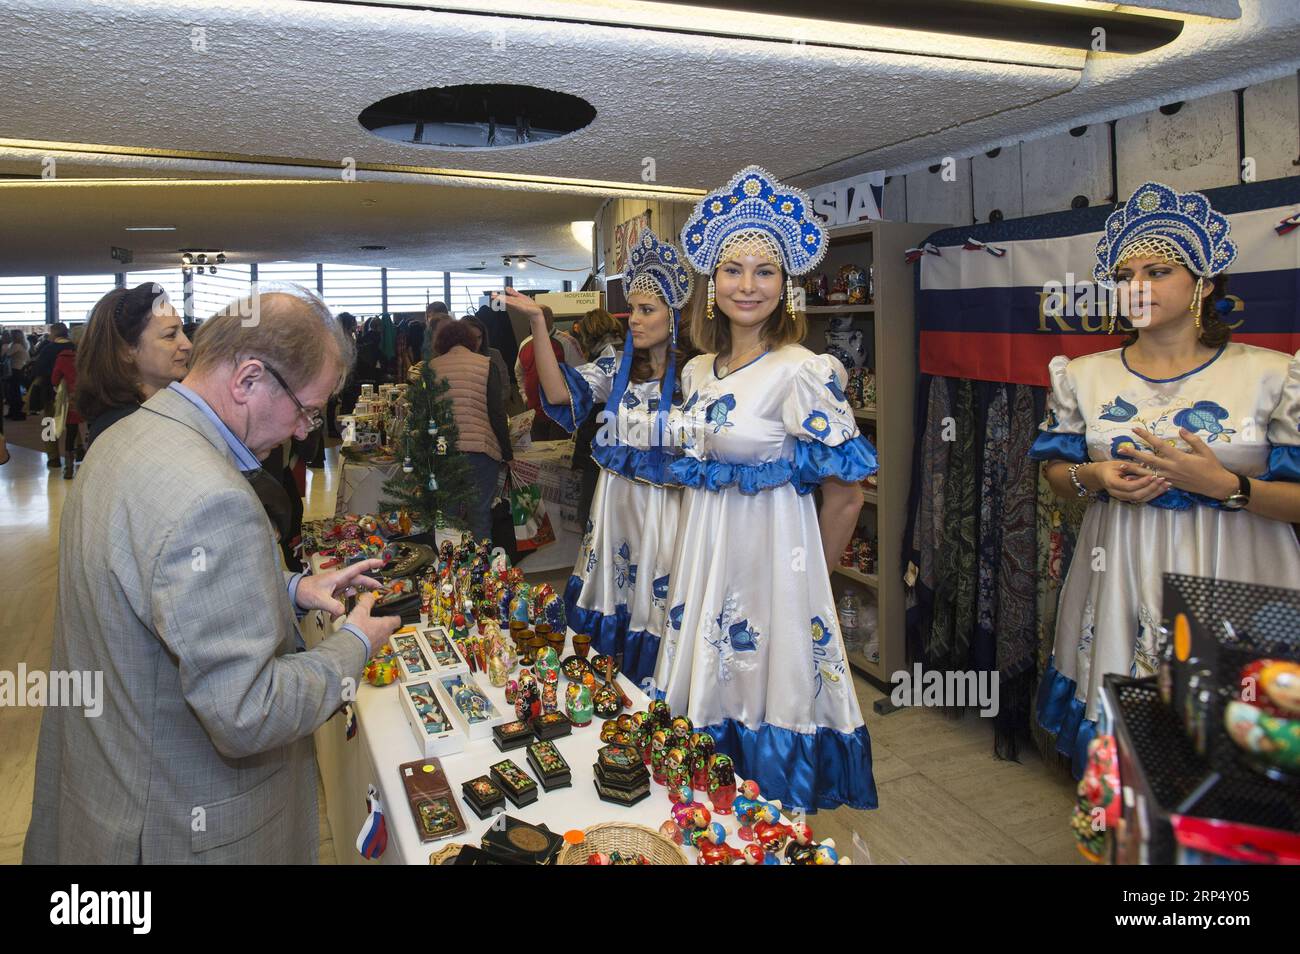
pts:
pixel 1238 500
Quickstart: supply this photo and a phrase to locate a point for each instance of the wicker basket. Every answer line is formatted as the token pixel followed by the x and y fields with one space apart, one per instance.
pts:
pixel 626 839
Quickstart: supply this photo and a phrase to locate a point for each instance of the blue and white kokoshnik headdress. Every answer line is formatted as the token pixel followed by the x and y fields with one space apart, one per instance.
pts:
pixel 1161 222
pixel 654 268
pixel 754 205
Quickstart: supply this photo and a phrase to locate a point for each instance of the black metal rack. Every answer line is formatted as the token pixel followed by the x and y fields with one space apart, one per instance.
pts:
pixel 1161 770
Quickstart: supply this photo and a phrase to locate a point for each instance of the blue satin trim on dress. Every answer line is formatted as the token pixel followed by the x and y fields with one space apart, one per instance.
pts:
pixel 609 634
pixel 813 462
pixel 579 395
pixel 1060 713
pixel 1071 447
pixel 825 769
pixel 850 462
pixel 1175 499
pixel 1283 463
pixel 649 464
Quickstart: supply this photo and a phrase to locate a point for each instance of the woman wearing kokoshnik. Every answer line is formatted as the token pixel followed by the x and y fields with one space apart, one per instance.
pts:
pixel 619 585
pixel 754 655
pixel 1187 442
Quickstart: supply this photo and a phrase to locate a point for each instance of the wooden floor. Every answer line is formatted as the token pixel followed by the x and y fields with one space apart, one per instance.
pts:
pixel 944 798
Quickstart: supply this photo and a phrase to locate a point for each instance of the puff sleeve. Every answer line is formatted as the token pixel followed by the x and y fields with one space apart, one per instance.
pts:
pixel 589 384
pixel 1062 434
pixel 1284 428
pixel 817 414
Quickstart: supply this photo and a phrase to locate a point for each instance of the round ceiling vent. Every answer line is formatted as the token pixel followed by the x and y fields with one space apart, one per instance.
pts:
pixel 477 116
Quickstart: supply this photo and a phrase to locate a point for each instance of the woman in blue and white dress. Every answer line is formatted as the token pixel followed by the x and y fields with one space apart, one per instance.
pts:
pixel 754 654
pixel 619 585
pixel 1188 443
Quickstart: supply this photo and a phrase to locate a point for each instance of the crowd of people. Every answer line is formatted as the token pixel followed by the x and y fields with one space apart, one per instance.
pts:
pixel 134 343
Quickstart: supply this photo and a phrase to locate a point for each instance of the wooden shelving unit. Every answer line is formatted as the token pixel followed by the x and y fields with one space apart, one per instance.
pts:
pixel 838 309
pixel 888 322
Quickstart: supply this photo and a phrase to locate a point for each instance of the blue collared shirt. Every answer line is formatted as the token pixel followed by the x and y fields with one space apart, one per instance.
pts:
pixel 246 458
pixel 247 461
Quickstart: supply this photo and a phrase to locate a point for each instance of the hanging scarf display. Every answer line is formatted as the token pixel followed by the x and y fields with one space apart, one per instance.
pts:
pixel 954 595
pixel 992 484
pixel 1016 594
pixel 930 470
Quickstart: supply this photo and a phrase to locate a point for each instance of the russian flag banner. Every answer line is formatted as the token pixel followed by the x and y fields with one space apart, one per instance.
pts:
pixel 1004 317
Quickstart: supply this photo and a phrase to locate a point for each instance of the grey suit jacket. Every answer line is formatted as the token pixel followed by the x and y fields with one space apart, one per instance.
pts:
pixel 170 584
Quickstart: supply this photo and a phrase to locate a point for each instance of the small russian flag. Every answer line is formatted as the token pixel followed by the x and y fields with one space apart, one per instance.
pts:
pixel 374 833
pixel 1289 224
pixel 974 245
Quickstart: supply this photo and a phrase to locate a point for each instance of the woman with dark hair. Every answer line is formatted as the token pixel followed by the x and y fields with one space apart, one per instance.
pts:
pixel 617 588
pixel 133 347
pixel 598 331
pixel 1185 441
pixel 477 392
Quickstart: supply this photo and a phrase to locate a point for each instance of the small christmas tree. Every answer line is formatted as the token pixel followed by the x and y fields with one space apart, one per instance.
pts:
pixel 434 477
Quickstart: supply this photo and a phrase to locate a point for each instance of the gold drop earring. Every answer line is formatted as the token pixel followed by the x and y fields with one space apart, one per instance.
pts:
pixel 789 297
pixel 708 308
pixel 1195 307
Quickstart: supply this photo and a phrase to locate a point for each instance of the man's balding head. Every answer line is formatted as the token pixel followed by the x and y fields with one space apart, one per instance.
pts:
pixel 283 324
pixel 284 331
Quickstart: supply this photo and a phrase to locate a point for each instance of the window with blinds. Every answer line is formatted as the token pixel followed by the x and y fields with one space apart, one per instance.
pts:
pixel 353 288
pixel 298 273
pixel 79 293
pixel 22 301
pixel 214 292
pixel 169 278
pixel 410 290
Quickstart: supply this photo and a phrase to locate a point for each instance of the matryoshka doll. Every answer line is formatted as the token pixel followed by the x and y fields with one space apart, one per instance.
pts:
pixel 547 667
pixel 680 732
pixel 547 664
pixel 677 772
pixel 662 715
pixel 643 727
pixel 519 605
pixel 577 704
pixel 538 597
pixel 658 749
pixel 528 697
pixel 428 593
pixel 722 783
pixel 702 748
pixel 501 660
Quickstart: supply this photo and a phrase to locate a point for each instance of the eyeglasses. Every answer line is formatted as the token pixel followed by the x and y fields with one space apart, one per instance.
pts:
pixel 313 417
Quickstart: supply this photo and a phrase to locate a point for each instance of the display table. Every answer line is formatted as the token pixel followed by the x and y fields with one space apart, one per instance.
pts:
pixel 384 741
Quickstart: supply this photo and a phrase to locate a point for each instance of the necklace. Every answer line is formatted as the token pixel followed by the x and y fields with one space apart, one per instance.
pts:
pixel 724 370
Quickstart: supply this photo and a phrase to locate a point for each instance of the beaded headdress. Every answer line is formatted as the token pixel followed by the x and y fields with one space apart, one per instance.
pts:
pixel 760 214
pixel 656 268
pixel 1172 226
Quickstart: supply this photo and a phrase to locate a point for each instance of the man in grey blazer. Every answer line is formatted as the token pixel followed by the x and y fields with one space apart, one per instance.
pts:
pixel 170 584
